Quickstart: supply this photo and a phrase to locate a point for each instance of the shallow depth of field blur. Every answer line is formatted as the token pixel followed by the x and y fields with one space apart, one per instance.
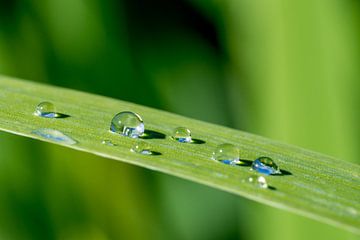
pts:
pixel 284 69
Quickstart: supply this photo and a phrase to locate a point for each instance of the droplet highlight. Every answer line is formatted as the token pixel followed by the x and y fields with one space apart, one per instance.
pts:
pixel 226 153
pixel 265 165
pixel 127 124
pixel 141 147
pixel 108 143
pixel 182 134
pixel 54 135
pixel 259 181
pixel 45 109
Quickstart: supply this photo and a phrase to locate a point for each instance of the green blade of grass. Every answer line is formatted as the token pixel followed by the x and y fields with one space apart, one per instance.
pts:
pixel 317 186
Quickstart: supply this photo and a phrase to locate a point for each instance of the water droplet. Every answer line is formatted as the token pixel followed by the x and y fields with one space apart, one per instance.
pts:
pixel 221 175
pixel 141 147
pixel 128 124
pixel 265 165
pixel 182 134
pixel 108 143
pixel 259 181
pixel 226 153
pixel 45 109
pixel 54 135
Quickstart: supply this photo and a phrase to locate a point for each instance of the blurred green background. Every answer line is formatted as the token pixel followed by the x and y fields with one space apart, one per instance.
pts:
pixel 285 69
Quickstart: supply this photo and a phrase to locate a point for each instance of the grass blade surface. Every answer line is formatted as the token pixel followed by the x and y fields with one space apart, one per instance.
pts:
pixel 317 186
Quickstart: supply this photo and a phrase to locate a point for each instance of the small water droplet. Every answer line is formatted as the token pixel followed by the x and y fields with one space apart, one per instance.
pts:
pixel 45 109
pixel 182 134
pixel 265 165
pixel 226 153
pixel 54 135
pixel 141 147
pixel 128 124
pixel 221 175
pixel 108 143
pixel 259 181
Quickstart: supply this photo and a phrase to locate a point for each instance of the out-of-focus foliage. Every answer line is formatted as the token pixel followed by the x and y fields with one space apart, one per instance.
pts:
pixel 230 62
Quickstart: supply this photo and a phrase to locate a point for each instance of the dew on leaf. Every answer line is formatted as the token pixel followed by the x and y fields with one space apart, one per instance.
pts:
pixel 127 124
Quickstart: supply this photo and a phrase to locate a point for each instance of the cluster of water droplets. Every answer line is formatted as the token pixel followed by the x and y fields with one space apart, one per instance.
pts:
pixel 259 181
pixel 48 110
pixel 229 154
pixel 130 124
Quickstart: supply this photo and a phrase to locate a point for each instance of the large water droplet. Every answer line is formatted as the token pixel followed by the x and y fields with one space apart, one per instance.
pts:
pixel 226 153
pixel 182 134
pixel 45 109
pixel 54 135
pixel 259 181
pixel 265 165
pixel 141 147
pixel 128 124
